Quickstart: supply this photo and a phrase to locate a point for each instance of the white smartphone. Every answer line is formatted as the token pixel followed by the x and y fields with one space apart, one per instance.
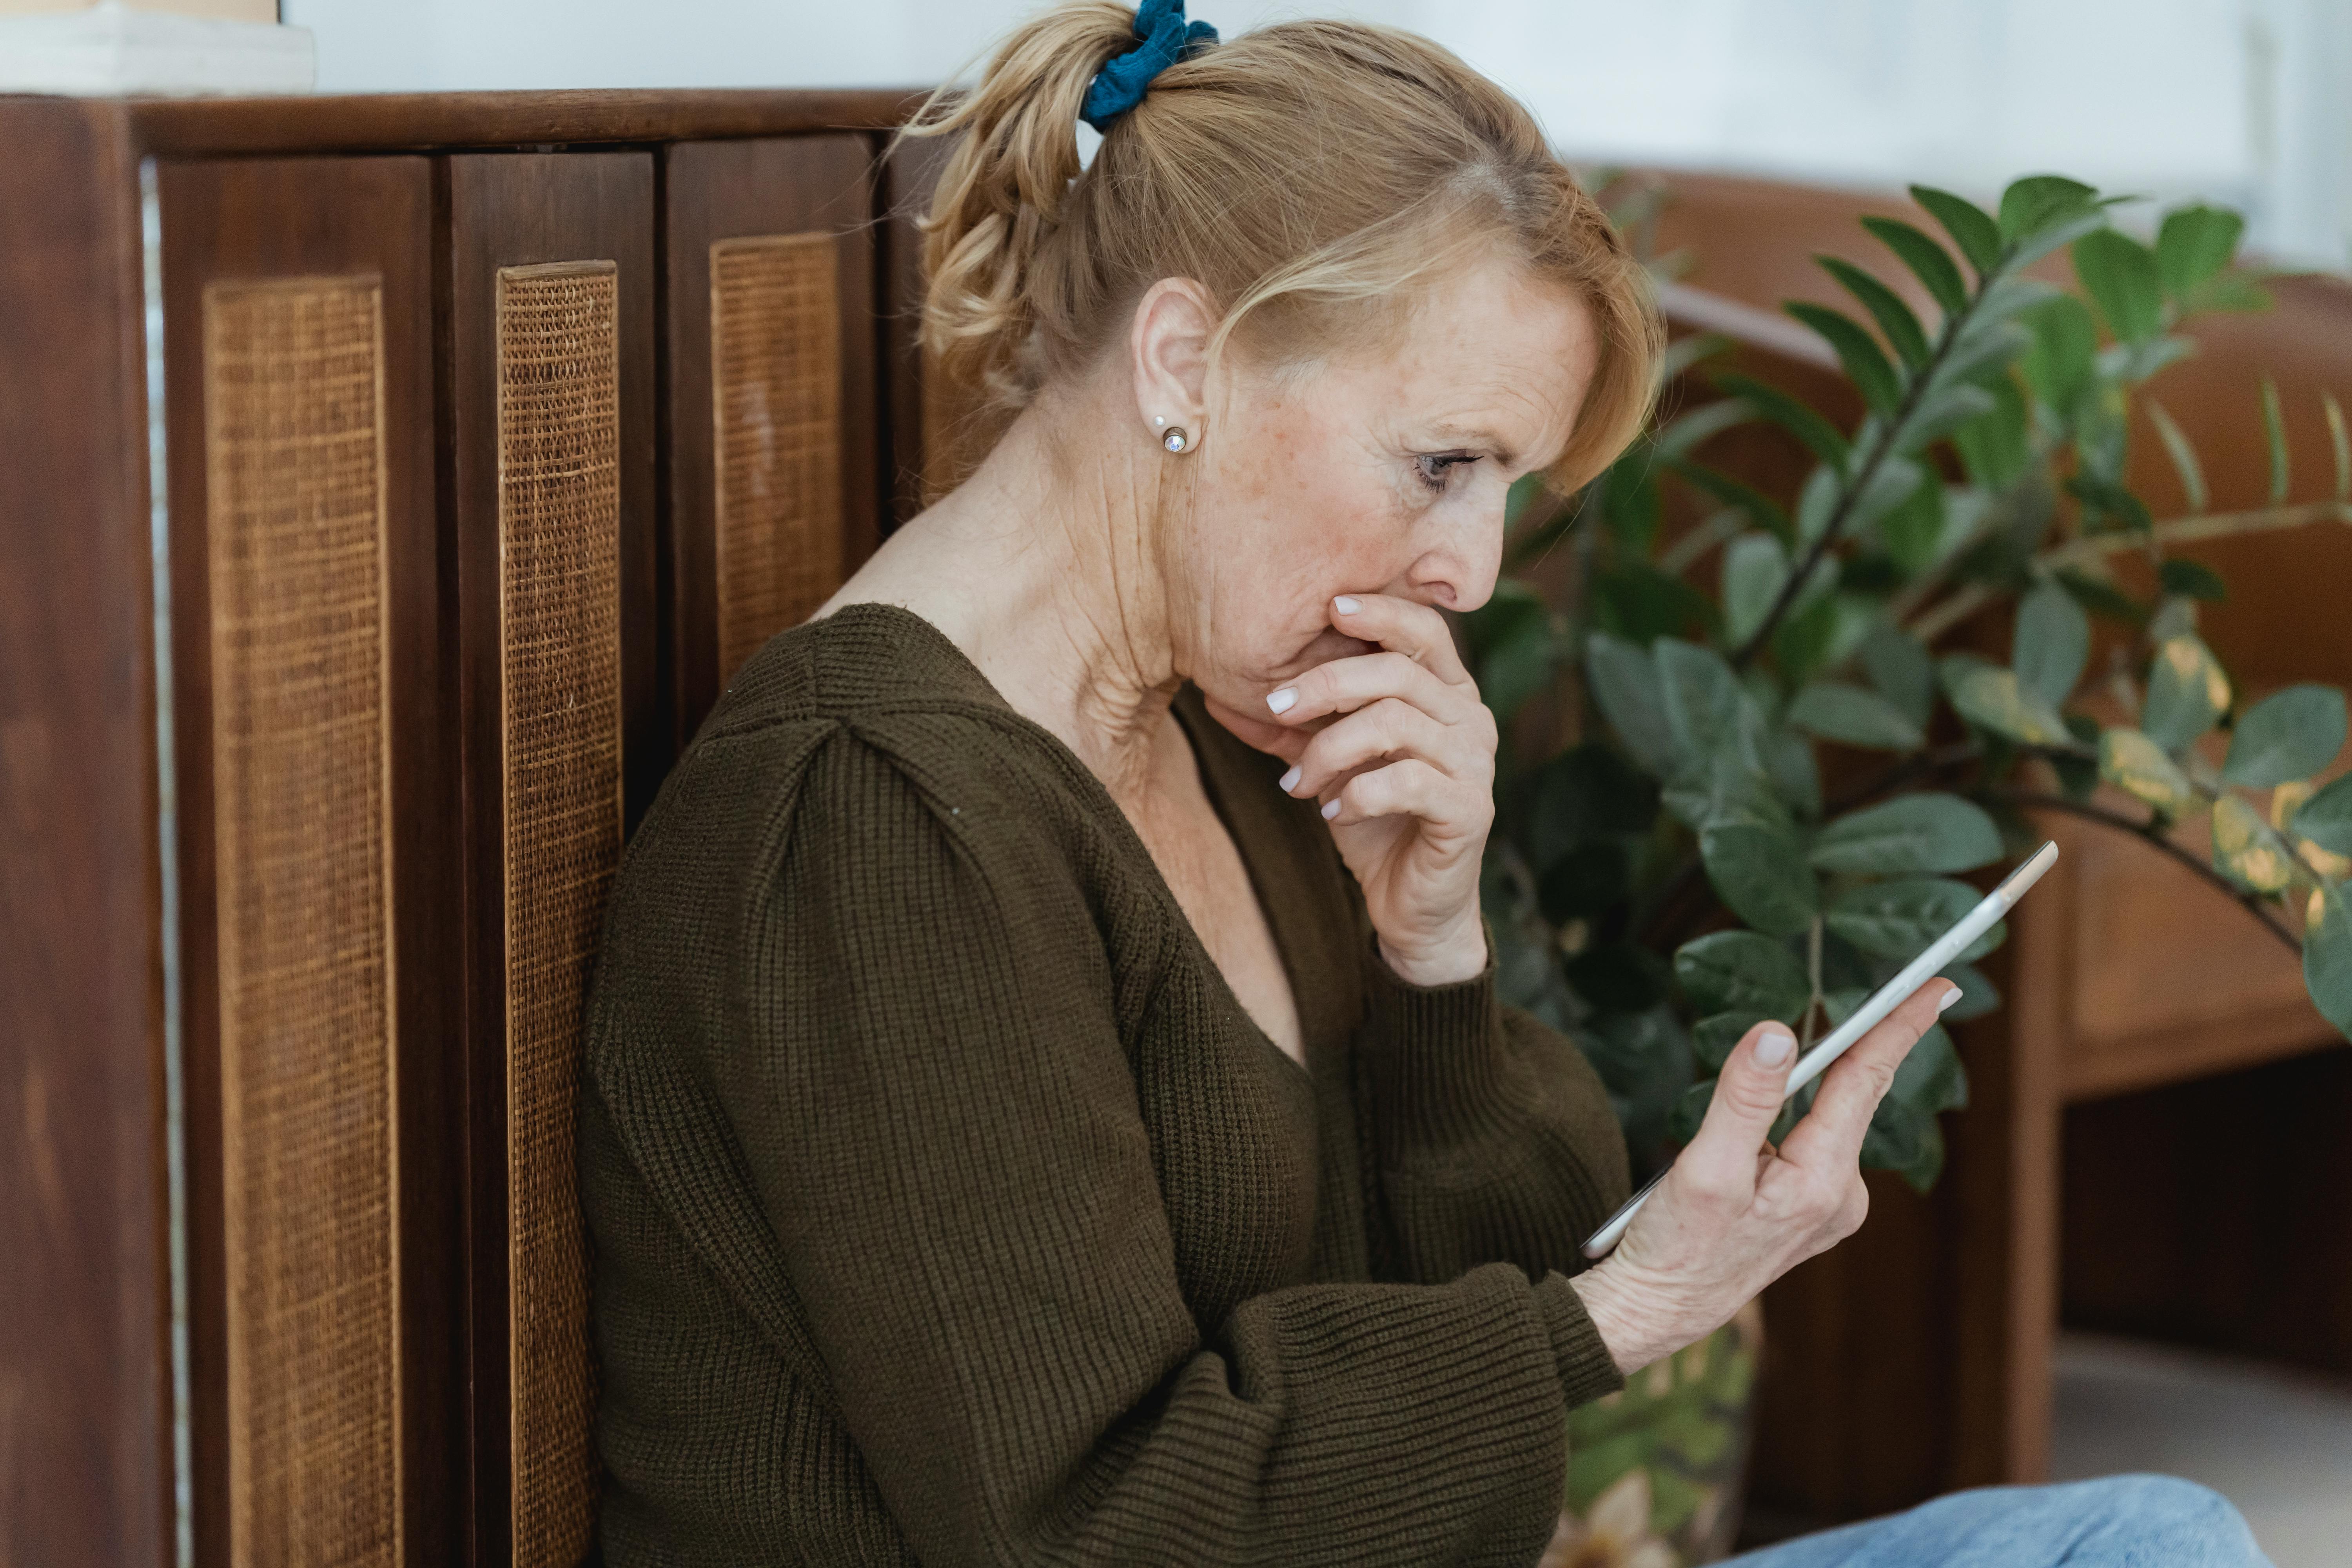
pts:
pixel 1867 1017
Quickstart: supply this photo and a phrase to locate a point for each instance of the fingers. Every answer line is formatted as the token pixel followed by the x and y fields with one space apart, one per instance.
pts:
pixel 1418 663
pixel 1721 1162
pixel 1260 731
pixel 1402 626
pixel 1831 1133
pixel 1388 730
pixel 1451 808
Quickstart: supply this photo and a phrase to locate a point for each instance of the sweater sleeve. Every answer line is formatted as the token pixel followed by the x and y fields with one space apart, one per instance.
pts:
pixel 1491 1139
pixel 935 1107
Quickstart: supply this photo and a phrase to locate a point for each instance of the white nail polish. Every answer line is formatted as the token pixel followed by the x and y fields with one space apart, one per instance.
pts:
pixel 1282 702
pixel 1330 810
pixel 1346 605
pixel 1949 997
pixel 1774 1048
pixel 1290 781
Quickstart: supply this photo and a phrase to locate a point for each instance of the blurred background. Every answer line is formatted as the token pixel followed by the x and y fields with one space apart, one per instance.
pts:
pixel 2239 101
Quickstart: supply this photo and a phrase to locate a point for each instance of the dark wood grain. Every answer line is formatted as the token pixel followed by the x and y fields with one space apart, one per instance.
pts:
pixel 515 210
pixel 85 1391
pixel 292 218
pixel 395 121
pixel 909 174
pixel 2185 1220
pixel 721 190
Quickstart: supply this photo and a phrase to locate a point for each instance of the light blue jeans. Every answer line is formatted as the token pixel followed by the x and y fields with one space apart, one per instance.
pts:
pixel 2122 1522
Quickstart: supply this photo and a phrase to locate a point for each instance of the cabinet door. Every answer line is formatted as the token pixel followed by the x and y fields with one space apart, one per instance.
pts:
pixel 315 802
pixel 776 481
pixel 550 345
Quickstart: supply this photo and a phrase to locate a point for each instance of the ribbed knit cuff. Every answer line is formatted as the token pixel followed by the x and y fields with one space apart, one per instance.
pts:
pixel 1587 1370
pixel 1433 1057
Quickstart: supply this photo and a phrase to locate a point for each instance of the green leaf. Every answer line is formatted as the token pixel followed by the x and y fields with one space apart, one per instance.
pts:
pixel 1754 568
pixel 1739 493
pixel 2186 692
pixel 1625 684
pixel 1978 996
pixel 2275 433
pixel 1511 640
pixel 2138 765
pixel 1586 791
pixel 1984 346
pixel 1944 411
pixel 1988 695
pixel 1899 920
pixel 2102 597
pixel 2052 643
pixel 2192 580
pixel 2290 734
pixel 1628 500
pixel 1898 664
pixel 2327 958
pixel 2104 497
pixel 2183 455
pixel 2326 817
pixel 1758 868
pixel 1971 228
pixel 1864 362
pixel 1995 448
pixel 1929 261
pixel 2078 775
pixel 1798 418
pixel 1789 764
pixel 1910 835
pixel 1701 696
pixel 1713 1036
pixel 2120 273
pixel 1638 602
pixel 2065 357
pixel 1738 971
pixel 1854 717
pixel 2038 202
pixel 2246 851
pixel 1688 431
pixel 1886 308
pixel 2194 245
pixel 1524 491
pixel 1931 1078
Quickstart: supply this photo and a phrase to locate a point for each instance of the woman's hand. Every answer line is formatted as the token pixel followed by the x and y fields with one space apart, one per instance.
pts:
pixel 1734 1214
pixel 1400 750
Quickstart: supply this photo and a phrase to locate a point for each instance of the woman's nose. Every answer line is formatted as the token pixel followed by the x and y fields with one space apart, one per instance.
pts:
pixel 1455 575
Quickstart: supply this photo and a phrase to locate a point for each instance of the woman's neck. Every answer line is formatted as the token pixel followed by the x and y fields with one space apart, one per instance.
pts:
pixel 1048 569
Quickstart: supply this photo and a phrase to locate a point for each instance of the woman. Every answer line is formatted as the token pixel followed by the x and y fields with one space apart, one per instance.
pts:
pixel 1048 1100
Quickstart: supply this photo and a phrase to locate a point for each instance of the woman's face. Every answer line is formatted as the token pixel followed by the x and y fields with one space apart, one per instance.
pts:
pixel 1382 472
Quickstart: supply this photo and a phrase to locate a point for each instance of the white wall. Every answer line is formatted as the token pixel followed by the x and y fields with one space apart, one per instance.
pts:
pixel 2248 101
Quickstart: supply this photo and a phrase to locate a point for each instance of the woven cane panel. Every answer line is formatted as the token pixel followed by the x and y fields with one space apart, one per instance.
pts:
pixel 559 659
pixel 775 369
pixel 294 456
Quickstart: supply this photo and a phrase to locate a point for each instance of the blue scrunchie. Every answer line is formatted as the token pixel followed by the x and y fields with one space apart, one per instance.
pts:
pixel 1120 85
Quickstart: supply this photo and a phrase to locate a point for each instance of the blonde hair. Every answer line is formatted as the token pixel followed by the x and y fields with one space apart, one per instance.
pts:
pixel 1308 175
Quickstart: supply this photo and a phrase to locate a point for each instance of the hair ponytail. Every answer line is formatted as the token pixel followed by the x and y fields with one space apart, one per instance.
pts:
pixel 1308 175
pixel 1004 186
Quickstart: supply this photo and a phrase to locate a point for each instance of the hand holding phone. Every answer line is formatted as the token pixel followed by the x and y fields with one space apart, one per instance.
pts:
pixel 1733 1213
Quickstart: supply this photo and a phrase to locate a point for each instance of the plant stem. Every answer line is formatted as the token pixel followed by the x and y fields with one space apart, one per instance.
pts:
pixel 1858 481
pixel 2150 834
pixel 1814 969
pixel 1933 623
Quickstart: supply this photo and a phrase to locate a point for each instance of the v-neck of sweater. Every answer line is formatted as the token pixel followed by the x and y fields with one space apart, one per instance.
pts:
pixel 1240 802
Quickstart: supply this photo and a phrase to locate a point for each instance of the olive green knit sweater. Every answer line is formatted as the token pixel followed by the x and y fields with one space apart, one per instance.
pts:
pixel 947 1207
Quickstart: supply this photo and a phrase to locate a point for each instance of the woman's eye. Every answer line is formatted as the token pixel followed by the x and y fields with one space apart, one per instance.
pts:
pixel 1434 468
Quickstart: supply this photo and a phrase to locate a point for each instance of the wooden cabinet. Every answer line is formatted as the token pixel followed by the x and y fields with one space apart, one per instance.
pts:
pixel 390 486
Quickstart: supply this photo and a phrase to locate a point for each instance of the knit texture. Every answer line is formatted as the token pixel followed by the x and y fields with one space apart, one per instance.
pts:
pixel 947 1206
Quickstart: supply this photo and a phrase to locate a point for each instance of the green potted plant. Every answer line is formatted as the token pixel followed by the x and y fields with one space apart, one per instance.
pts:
pixel 1684 858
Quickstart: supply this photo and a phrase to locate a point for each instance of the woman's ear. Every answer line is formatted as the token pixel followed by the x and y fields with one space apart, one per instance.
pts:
pixel 1167 343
